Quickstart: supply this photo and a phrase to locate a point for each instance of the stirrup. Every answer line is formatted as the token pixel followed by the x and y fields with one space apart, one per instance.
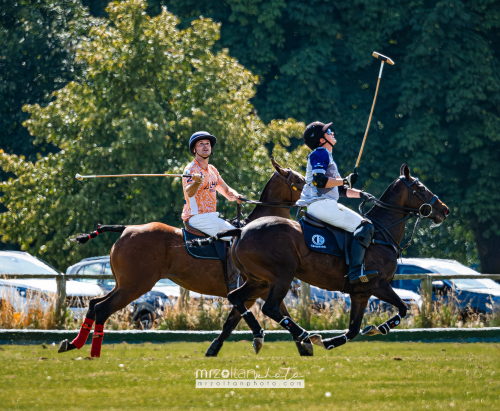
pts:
pixel 364 277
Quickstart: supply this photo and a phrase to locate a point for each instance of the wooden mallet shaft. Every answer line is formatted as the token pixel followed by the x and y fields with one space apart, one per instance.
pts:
pixel 384 59
pixel 79 177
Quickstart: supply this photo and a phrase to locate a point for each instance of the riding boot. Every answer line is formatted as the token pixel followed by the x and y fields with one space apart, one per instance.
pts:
pixel 359 244
pixel 233 274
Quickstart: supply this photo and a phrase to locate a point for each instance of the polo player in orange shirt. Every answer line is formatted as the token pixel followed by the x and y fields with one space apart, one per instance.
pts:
pixel 200 207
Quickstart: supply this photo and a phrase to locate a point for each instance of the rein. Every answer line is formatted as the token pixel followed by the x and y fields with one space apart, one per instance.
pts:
pixel 409 211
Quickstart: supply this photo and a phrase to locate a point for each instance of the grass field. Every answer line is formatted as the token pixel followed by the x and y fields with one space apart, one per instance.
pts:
pixel 357 376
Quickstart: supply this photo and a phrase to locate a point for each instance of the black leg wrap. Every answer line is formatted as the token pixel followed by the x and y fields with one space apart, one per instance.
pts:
pixel 335 342
pixel 254 325
pixel 298 332
pixel 390 324
pixel 214 348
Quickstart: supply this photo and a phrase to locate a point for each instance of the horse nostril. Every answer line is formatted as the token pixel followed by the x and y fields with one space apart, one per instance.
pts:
pixel 446 212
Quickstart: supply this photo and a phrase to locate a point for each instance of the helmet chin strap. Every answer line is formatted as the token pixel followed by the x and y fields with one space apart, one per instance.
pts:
pixel 204 158
pixel 326 141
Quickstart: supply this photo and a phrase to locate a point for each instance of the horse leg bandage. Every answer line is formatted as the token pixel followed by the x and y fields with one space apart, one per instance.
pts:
pixel 390 324
pixel 335 342
pixel 288 324
pixel 253 324
pixel 98 336
pixel 82 336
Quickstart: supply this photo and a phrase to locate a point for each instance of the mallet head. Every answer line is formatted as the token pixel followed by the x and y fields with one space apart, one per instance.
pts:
pixel 79 177
pixel 385 59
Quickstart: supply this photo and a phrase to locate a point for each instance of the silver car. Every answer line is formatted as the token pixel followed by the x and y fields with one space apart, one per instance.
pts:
pixel 24 293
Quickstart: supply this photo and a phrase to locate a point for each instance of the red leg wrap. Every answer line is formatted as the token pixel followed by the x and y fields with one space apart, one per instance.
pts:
pixel 82 336
pixel 95 351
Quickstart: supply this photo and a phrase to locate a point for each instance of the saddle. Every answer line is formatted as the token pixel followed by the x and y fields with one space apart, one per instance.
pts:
pixel 216 250
pixel 325 238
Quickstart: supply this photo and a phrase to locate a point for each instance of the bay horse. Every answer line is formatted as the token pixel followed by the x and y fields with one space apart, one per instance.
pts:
pixel 272 251
pixel 144 254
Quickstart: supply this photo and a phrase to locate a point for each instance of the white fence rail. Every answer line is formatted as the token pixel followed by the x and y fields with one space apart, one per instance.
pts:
pixel 426 285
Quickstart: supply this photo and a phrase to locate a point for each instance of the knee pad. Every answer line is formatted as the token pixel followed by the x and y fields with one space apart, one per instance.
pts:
pixel 364 234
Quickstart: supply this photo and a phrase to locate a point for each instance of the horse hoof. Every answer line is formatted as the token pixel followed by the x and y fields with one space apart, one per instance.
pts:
pixel 302 351
pixel 214 348
pixel 257 344
pixel 307 345
pixel 316 339
pixel 63 347
pixel 370 330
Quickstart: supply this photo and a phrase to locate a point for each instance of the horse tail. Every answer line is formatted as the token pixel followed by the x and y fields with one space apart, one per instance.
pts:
pixel 83 238
pixel 233 232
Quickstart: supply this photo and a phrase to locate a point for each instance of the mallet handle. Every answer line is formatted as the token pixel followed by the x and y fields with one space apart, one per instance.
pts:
pixel 79 177
pixel 371 113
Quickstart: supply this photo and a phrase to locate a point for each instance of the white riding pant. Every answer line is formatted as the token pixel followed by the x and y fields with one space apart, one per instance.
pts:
pixel 210 224
pixel 336 214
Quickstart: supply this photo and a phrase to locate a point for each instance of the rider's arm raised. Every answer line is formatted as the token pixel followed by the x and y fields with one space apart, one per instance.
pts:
pixel 192 187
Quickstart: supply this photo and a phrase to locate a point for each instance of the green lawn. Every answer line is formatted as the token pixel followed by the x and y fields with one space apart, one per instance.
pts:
pixel 357 376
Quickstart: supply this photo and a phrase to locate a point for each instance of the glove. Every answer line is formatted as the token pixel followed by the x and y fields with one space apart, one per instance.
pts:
pixel 367 196
pixel 351 179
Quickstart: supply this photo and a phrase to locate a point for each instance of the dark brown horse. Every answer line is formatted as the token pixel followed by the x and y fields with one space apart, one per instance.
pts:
pixel 144 254
pixel 271 252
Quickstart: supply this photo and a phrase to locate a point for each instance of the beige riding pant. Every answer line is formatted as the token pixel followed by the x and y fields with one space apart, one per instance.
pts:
pixel 210 224
pixel 336 214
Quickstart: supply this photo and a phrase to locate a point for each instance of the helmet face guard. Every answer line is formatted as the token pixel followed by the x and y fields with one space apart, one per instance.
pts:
pixel 201 135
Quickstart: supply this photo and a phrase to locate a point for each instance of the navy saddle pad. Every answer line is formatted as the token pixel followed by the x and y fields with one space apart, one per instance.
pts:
pixel 329 240
pixel 213 251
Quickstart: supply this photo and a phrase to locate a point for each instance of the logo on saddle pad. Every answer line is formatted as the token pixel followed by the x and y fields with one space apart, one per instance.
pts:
pixel 318 241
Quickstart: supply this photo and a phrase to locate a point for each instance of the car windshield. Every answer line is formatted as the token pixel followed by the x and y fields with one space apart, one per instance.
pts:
pixel 473 284
pixel 165 283
pixel 23 264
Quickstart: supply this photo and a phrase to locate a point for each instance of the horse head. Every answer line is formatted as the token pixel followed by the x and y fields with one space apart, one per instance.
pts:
pixel 412 193
pixel 287 185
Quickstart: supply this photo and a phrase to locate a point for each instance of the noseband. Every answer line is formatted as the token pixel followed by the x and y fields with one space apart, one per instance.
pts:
pixel 409 211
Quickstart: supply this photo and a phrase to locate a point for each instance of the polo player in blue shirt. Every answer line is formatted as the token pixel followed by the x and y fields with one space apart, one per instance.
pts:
pixel 324 186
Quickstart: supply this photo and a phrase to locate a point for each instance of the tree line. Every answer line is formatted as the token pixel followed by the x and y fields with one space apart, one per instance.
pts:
pixel 437 110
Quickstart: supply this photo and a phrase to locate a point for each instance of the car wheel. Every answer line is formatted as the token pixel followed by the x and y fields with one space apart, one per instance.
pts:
pixel 144 321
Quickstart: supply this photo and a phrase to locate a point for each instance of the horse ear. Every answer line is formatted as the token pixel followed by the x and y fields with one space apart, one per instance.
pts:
pixel 278 168
pixel 405 171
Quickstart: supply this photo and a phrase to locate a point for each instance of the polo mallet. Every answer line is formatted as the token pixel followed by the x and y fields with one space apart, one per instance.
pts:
pixel 384 59
pixel 80 177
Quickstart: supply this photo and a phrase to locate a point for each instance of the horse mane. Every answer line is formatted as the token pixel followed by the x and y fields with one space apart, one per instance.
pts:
pixel 385 193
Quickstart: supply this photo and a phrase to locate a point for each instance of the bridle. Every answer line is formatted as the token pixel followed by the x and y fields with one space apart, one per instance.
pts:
pixel 283 204
pixel 279 204
pixel 409 211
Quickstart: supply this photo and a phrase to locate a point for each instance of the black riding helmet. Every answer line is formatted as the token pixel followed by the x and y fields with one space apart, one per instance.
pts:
pixel 201 135
pixel 313 133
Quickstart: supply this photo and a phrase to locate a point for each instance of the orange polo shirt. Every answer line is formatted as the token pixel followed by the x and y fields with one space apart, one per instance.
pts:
pixel 205 199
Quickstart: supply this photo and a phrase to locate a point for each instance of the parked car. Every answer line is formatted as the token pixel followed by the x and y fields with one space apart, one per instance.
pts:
pixel 479 295
pixel 23 294
pixel 144 309
pixel 101 265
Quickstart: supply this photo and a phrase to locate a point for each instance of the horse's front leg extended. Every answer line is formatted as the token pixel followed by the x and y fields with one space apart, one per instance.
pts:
pixel 358 306
pixel 385 293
